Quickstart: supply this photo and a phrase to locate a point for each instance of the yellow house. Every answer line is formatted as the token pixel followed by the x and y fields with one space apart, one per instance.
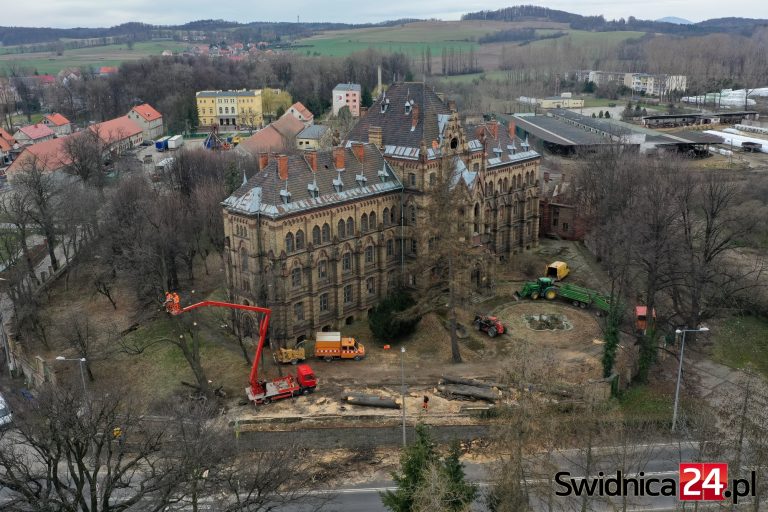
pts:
pixel 230 108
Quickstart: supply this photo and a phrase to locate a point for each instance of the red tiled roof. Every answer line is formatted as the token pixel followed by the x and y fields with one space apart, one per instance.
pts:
pixel 147 112
pixel 272 137
pixel 5 146
pixel 107 70
pixel 47 79
pixel 116 130
pixel 50 155
pixel 7 136
pixel 57 119
pixel 304 111
pixel 36 131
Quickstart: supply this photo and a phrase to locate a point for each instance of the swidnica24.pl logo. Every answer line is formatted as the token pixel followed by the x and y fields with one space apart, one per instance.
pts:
pixel 696 482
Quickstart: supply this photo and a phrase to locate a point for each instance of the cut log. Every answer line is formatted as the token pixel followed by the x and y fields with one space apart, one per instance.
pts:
pixel 468 391
pixel 371 401
pixel 473 382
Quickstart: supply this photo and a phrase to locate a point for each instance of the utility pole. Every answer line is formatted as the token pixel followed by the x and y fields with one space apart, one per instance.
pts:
pixel 402 377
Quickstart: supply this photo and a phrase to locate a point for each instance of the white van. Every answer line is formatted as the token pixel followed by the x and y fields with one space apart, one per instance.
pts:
pixel 6 416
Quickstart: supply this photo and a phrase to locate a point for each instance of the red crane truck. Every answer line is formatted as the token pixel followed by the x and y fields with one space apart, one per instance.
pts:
pixel 259 391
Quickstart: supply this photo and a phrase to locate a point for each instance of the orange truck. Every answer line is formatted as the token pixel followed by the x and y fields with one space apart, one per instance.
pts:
pixel 331 345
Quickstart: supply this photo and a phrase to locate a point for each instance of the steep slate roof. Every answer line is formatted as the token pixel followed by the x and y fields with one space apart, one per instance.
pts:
pixel 116 129
pixel 304 111
pixel 36 131
pixel 501 148
pixel 272 137
pixel 57 119
pixel 147 112
pixel 262 193
pixel 50 154
pixel 396 125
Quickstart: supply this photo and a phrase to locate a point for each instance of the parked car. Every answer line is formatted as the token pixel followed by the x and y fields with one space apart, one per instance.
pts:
pixel 6 416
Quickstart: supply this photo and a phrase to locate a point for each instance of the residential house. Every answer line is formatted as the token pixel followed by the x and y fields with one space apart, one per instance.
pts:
pixel 107 70
pixel 7 145
pixel 560 217
pixel 230 108
pixel 314 137
pixel 347 95
pixel 149 119
pixel 33 134
pixel 275 137
pixel 314 237
pixel 119 134
pixel 58 123
pixel 301 113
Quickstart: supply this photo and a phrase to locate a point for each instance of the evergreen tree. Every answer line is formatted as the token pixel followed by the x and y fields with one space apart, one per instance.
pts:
pixel 413 461
pixel 607 115
pixel 366 100
pixel 601 115
pixel 460 492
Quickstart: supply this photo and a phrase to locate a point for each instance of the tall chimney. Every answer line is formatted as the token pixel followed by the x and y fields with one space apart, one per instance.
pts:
pixel 511 128
pixel 263 160
pixel 494 126
pixel 312 160
pixel 375 136
pixel 378 90
pixel 282 167
pixel 414 116
pixel 359 151
pixel 338 157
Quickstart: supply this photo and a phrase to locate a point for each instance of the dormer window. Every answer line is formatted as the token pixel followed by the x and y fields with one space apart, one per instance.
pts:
pixel 338 185
pixel 383 174
pixel 314 191
pixel 360 179
pixel 384 105
pixel 407 108
pixel 285 196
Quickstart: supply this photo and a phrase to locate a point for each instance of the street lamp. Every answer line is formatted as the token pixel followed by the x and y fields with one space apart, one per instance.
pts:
pixel 81 360
pixel 680 369
pixel 402 377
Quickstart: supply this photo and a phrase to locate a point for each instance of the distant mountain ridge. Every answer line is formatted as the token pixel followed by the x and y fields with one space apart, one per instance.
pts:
pixel 743 26
pixel 675 20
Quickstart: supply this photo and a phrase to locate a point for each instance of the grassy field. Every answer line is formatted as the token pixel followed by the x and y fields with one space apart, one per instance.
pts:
pixel 585 37
pixel 742 341
pixel 411 38
pixel 110 55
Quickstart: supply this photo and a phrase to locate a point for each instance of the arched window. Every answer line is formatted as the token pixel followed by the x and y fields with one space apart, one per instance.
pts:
pixel 385 216
pixel 342 229
pixel 326 233
pixel 499 189
pixel 372 221
pixel 289 242
pixel 476 226
pixel 346 262
pixel 243 259
pixel 322 269
pixel 390 247
pixel 413 214
pixel 506 184
pixel 350 227
pixel 300 240
pixel 370 255
pixel 296 277
pixel 315 235
pixel 392 216
pixel 364 223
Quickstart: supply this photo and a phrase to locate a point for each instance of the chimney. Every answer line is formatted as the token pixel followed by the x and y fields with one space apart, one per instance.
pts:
pixel 312 160
pixel 263 160
pixel 511 128
pixel 282 167
pixel 414 117
pixel 359 151
pixel 494 127
pixel 546 176
pixel 375 136
pixel 378 89
pixel 452 105
pixel 338 157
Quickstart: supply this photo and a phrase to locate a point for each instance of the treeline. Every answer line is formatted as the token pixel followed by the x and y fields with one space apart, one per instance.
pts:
pixel 456 62
pixel 34 35
pixel 523 35
pixel 170 83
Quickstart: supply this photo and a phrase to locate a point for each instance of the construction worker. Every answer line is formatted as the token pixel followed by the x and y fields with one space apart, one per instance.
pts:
pixel 117 435
pixel 168 298
pixel 425 403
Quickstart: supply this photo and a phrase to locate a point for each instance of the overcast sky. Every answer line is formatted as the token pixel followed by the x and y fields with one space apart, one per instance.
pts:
pixel 101 13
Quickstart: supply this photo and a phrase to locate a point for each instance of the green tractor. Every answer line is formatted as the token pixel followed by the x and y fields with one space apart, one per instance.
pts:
pixel 577 295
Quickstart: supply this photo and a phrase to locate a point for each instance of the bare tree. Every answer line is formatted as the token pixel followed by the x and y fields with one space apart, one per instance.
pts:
pixel 84 152
pixel 72 453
